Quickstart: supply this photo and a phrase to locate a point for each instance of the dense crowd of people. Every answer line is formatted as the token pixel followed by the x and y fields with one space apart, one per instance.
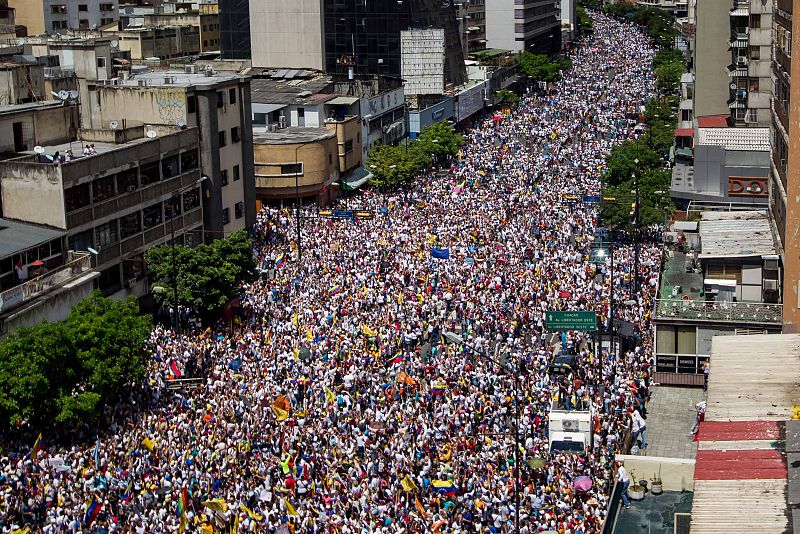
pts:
pixel 339 405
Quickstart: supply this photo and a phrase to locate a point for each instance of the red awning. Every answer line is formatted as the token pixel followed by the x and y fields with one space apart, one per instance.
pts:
pixel 684 132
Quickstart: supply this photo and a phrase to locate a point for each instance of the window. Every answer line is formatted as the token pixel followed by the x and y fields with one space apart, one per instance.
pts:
pixel 226 216
pixel 220 99
pixel 223 177
pixel 205 43
pixel 755 21
pixel 236 174
pixel 232 96
pixel 239 210
pixel 106 7
pixel 191 104
pixel 81 241
pixel 106 234
pixel 330 158
pixel 173 205
pixel 130 225
pixel 259 119
pixel 348 146
pixel 150 173
pixel 222 141
pixel 170 167
pixel 77 197
pixel 292 168
pixel 755 52
pixel 153 215
pixel 101 63
pixel 103 188
pixel 105 20
pixel 191 200
pixel 188 161
pixel 83 24
pixel 59 24
pixel 753 86
pixel 301 112
pixel 235 138
pixel 127 181
pixel 59 9
pixel 83 7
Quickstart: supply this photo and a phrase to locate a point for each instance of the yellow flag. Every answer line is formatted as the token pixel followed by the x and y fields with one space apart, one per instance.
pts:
pixel 184 521
pixel 408 484
pixel 216 505
pixel 290 508
pixel 368 331
pixel 235 525
pixel 21 530
pixel 330 396
pixel 251 514
pixel 310 335
pixel 295 321
pixel 206 529
pixel 149 443
pixel 280 413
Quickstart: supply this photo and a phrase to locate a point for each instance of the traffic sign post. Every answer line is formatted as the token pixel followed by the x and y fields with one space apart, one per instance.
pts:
pixel 584 321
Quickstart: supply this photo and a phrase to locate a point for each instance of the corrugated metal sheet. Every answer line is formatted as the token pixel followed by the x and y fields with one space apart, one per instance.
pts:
pixel 735 233
pixel 751 506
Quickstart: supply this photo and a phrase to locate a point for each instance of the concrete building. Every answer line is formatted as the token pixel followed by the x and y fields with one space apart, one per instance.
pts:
pixel 24 126
pixel 204 17
pixel 785 172
pixel 40 280
pixel 295 163
pixel 142 185
pixel 217 103
pixel 749 71
pixel 712 56
pixel 60 16
pixel 523 25
pixel 476 27
pixel 22 81
pixel 569 22
pixel 162 42
pixel 337 37
pixel 720 276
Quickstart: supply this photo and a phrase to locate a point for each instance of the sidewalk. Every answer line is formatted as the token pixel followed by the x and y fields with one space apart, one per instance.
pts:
pixel 669 419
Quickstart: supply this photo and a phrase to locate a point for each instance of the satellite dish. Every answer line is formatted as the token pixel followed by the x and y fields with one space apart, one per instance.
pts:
pixel 114 43
pixel 73 95
pixel 733 86
pixel 152 134
pixel 113 125
pixel 55 95
pixel 181 122
pixel 93 251
pixel 63 95
pixel 38 149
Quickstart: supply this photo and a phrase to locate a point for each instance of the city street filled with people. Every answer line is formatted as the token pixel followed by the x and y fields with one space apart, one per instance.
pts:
pixel 391 373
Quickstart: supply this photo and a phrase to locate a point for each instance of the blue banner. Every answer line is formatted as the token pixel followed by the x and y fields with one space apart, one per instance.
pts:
pixel 440 253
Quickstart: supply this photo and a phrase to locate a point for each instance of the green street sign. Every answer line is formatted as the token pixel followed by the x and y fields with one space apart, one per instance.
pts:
pixel 585 321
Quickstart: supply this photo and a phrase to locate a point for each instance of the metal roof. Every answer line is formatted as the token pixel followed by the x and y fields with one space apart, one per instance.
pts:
pixel 755 139
pixel 17 237
pixel 731 234
pixel 745 438
pixel 344 100
pixel 292 135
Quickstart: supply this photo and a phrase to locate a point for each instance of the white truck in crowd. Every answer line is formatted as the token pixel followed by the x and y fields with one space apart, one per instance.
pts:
pixel 569 430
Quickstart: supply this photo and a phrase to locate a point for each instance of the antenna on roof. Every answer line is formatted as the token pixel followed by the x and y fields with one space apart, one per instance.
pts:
pixel 38 149
pixel 152 134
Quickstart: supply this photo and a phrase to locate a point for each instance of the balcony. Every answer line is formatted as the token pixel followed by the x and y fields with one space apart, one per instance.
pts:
pixel 77 264
pixel 712 311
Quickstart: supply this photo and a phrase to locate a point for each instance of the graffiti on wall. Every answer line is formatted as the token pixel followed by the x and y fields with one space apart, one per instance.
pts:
pixel 171 104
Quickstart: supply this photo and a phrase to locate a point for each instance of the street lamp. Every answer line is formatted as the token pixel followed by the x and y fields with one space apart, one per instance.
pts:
pixel 458 340
pixel 177 194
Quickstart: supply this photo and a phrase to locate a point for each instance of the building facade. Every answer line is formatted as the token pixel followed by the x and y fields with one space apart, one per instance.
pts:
pixel 216 103
pixel 523 25
pixel 749 71
pixel 59 16
pixel 234 29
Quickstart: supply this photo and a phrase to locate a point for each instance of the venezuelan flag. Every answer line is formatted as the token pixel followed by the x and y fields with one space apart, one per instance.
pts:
pixel 279 261
pixel 444 487
pixel 92 511
pixel 335 290
pixel 37 446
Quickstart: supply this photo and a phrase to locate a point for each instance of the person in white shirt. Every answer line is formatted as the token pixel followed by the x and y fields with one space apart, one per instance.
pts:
pixel 639 428
pixel 622 478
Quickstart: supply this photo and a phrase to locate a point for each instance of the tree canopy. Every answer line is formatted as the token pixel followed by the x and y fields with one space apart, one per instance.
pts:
pixel 65 372
pixel 507 97
pixel 394 165
pixel 584 21
pixel 540 68
pixel 208 276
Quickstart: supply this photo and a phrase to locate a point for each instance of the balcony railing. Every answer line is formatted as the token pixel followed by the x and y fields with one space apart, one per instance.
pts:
pixel 717 311
pixel 77 264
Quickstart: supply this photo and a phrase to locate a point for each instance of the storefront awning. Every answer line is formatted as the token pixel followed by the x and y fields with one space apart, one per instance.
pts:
pixel 684 132
pixel 359 177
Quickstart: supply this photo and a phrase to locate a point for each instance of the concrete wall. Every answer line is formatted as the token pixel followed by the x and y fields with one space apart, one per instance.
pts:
pixel 29 13
pixel 40 127
pixel 677 474
pixel 287 33
pixel 712 56
pixel 33 193
pixel 38 16
pixel 348 130
pixel 155 105
pixel 500 26
pixel 320 166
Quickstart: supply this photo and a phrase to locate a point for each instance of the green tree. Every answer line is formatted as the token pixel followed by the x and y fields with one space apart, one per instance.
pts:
pixel 668 55
pixel 540 68
pixel 668 77
pixel 208 276
pixel 441 140
pixel 65 372
pixel 507 97
pixel 393 165
pixel 584 21
pixel 628 158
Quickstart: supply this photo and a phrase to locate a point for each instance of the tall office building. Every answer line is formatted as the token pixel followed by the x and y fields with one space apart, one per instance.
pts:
pixel 234 28
pixel 712 55
pixel 784 189
pixel 333 35
pixel 523 25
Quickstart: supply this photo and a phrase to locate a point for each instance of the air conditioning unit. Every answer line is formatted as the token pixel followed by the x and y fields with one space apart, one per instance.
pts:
pixel 770 285
pixel 282 121
pixel 190 69
pixel 569 425
pixel 742 61
pixel 771 265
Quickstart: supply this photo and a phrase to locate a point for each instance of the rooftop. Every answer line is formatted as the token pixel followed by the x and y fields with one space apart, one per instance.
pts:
pixel 713 121
pixel 755 139
pixel 292 135
pixel 17 236
pixel 735 234
pixel 288 91
pixel 30 106
pixel 179 78
pixel 742 453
